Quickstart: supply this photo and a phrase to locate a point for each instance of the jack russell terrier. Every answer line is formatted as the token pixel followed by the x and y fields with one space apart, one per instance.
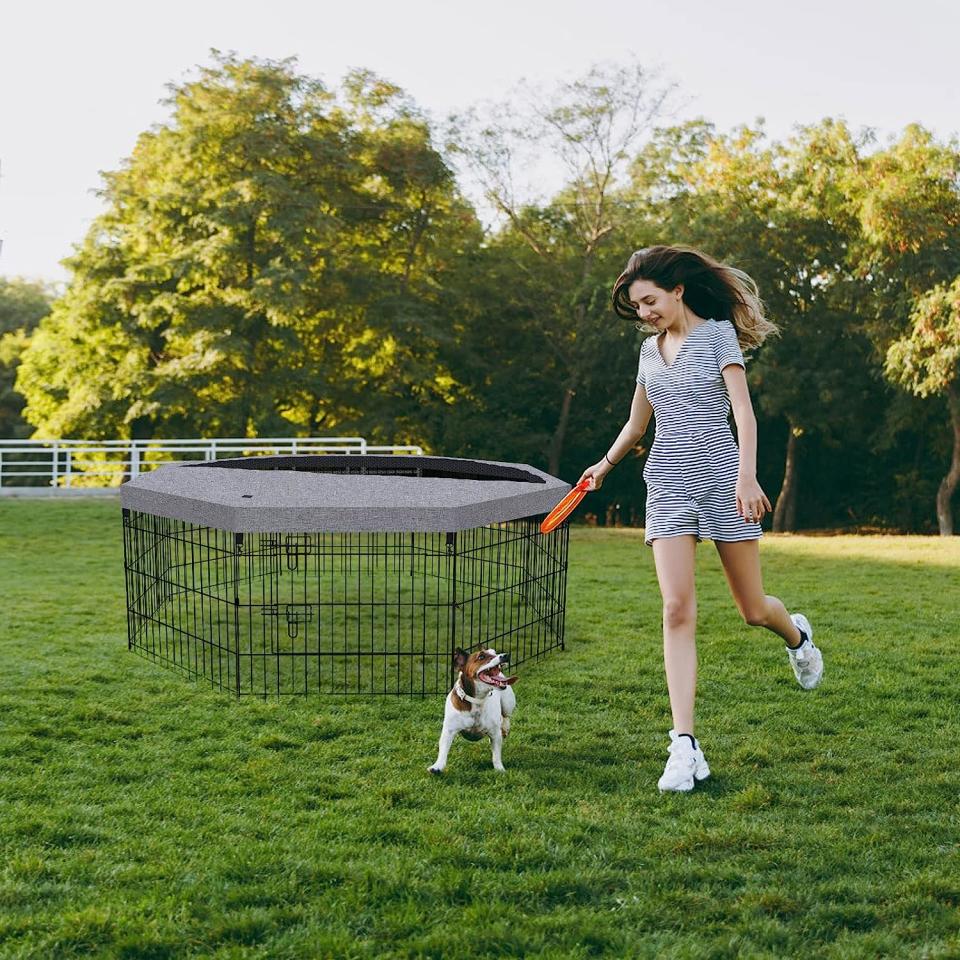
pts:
pixel 479 705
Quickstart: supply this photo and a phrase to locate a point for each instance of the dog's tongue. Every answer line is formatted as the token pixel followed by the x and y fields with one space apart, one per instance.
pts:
pixel 496 675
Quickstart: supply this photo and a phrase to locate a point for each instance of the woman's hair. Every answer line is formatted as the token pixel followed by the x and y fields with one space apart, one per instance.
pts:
pixel 710 289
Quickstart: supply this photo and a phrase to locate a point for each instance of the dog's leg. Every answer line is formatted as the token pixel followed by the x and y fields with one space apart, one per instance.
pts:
pixel 496 739
pixel 446 738
pixel 507 703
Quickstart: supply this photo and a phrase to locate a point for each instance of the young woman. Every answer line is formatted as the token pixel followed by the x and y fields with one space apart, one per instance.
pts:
pixel 700 485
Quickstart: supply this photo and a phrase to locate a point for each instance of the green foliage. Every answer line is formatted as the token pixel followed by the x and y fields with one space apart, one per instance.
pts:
pixel 927 360
pixel 907 203
pixel 22 305
pixel 263 261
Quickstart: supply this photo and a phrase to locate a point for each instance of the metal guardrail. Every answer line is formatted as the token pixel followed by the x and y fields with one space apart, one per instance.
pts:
pixel 77 464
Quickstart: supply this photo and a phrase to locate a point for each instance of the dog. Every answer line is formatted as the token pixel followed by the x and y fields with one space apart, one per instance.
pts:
pixel 479 705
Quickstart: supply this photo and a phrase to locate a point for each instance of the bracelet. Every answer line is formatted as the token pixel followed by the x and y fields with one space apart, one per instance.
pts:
pixel 612 464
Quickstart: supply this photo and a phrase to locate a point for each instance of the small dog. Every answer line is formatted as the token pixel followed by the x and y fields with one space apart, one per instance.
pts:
pixel 479 705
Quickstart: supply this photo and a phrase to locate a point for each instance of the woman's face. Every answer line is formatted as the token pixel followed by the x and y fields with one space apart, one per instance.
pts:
pixel 654 305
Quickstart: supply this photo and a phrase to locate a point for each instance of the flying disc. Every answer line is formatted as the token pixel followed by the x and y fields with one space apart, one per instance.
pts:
pixel 565 507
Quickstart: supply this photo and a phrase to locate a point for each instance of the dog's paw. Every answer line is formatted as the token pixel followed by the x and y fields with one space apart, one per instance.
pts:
pixel 500 769
pixel 436 770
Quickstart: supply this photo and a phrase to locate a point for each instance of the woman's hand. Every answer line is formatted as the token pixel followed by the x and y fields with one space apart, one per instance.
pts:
pixel 596 473
pixel 752 502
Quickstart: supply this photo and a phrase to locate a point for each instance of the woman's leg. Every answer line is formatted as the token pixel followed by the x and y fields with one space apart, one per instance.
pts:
pixel 741 564
pixel 674 558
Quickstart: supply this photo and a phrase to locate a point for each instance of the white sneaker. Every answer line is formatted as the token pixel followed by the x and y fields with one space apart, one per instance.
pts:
pixel 686 764
pixel 806 660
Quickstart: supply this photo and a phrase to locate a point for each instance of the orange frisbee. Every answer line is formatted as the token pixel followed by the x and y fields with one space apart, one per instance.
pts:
pixel 565 507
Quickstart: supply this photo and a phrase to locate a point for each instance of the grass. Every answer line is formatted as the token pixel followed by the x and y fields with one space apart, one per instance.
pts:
pixel 144 816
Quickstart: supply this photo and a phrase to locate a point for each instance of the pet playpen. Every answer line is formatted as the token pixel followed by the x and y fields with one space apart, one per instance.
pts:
pixel 273 575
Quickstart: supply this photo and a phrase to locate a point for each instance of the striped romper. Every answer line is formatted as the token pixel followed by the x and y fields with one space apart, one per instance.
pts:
pixel 691 470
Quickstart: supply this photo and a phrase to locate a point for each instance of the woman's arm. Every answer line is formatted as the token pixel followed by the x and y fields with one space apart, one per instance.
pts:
pixel 633 430
pixel 736 381
pixel 751 500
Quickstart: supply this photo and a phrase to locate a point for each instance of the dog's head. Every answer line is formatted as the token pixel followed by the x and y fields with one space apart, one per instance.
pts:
pixel 483 667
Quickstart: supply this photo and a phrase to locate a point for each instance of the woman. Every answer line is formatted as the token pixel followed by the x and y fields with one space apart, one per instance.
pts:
pixel 700 485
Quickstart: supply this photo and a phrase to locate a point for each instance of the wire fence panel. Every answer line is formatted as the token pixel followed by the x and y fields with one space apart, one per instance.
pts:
pixel 273 614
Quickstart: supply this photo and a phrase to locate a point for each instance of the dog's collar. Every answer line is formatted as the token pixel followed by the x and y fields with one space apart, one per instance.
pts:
pixel 458 689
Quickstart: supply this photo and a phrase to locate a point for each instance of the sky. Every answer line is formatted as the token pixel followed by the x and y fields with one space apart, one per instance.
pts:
pixel 80 81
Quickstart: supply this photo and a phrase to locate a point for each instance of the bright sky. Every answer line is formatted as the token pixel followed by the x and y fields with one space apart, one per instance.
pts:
pixel 80 81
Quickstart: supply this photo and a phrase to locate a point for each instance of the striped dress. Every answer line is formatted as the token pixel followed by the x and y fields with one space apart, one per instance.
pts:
pixel 691 471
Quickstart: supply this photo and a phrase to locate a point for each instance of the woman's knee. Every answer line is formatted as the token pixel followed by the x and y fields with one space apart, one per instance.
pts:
pixel 679 611
pixel 756 615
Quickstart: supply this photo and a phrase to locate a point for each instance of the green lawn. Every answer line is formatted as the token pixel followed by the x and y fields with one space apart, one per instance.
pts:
pixel 143 815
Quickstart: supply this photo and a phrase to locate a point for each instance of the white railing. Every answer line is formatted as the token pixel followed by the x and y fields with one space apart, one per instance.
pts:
pixel 78 464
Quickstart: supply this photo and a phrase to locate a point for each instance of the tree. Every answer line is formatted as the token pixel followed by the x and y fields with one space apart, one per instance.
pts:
pixel 268 262
pixel 907 199
pixel 592 125
pixel 22 306
pixel 817 375
pixel 926 361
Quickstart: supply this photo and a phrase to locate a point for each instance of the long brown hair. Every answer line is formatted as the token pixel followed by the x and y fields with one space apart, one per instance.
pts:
pixel 710 289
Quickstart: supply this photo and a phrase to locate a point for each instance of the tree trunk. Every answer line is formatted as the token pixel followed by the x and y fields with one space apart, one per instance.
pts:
pixel 141 428
pixel 949 483
pixel 785 511
pixel 560 433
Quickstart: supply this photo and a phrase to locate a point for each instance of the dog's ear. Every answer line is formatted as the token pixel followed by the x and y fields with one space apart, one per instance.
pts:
pixel 460 658
pixel 512 680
